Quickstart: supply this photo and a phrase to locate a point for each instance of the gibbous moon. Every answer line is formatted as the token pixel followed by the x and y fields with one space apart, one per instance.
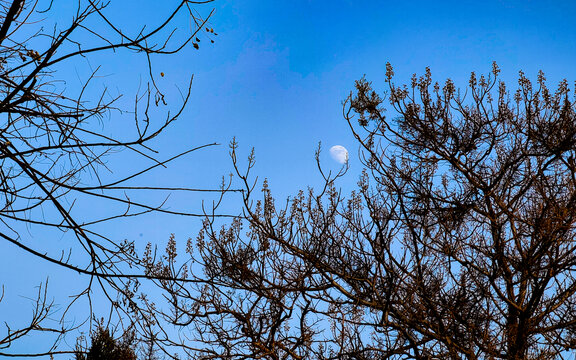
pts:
pixel 339 153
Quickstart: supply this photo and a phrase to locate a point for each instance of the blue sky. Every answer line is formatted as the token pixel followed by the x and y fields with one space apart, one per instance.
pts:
pixel 279 71
pixel 277 74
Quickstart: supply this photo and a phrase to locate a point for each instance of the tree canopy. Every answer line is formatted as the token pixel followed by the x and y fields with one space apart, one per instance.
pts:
pixel 457 244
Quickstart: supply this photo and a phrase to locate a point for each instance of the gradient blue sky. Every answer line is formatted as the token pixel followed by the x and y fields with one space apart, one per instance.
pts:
pixel 277 74
pixel 279 71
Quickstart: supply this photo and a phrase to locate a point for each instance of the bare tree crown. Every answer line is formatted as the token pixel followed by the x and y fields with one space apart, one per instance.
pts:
pixel 457 244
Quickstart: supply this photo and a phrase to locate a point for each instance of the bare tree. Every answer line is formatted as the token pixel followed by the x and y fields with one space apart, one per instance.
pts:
pixel 457 244
pixel 55 142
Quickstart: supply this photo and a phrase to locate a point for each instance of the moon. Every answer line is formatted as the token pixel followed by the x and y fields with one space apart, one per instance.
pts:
pixel 339 153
